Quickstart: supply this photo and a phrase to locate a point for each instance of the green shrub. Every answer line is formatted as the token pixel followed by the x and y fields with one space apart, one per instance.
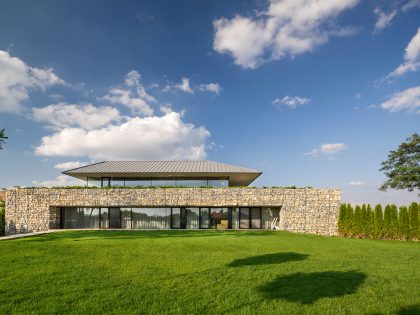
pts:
pixel 413 219
pixel 394 222
pixel 342 219
pixel 370 222
pixel 1 217
pixel 357 222
pixel 349 220
pixel 404 227
pixel 387 222
pixel 378 222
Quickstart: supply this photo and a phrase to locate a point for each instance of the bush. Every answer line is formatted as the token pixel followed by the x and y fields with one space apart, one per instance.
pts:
pixel 357 222
pixel 394 222
pixel 413 220
pixel 342 219
pixel 378 222
pixel 1 217
pixel 387 222
pixel 349 220
pixel 404 228
pixel 370 222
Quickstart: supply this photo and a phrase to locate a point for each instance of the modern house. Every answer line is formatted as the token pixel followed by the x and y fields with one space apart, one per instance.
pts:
pixel 170 195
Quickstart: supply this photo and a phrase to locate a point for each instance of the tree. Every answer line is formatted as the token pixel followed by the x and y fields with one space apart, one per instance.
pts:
pixel 403 166
pixel 404 229
pixel 394 222
pixel 349 220
pixel 364 221
pixel 413 219
pixel 342 219
pixel 357 222
pixel 370 222
pixel 2 138
pixel 378 222
pixel 387 222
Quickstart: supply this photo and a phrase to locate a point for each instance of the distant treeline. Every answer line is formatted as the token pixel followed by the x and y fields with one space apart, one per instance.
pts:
pixel 390 224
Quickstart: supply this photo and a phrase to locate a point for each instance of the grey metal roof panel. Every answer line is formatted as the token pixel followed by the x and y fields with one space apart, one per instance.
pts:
pixel 159 167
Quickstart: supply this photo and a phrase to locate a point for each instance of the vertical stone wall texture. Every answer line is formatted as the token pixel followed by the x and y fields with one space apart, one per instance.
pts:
pixel 305 210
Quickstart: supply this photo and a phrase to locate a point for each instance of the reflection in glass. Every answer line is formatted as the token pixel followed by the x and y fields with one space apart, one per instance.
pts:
pixel 235 218
pixel 93 182
pixel 125 218
pixel 104 218
pixel 204 218
pixel 151 218
pixel 191 182
pixel 163 182
pixel 81 218
pixel 270 216
pixel 219 218
pixel 176 218
pixel 117 182
pixel 192 218
pixel 218 182
pixel 256 218
pixel 244 218
pixel 133 182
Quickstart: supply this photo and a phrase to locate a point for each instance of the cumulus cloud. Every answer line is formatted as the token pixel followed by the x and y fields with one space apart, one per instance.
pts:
pixel 86 116
pixel 408 100
pixel 411 58
pixel 147 138
pixel 211 87
pixel 69 165
pixel 291 101
pixel 383 19
pixel 286 28
pixel 17 79
pixel 356 183
pixel 133 95
pixel 61 180
pixel 184 86
pixel 327 149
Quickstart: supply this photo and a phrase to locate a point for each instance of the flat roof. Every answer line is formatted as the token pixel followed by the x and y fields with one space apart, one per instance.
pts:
pixel 238 176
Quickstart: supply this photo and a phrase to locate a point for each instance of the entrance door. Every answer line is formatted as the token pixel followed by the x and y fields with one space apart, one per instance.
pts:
pixel 114 218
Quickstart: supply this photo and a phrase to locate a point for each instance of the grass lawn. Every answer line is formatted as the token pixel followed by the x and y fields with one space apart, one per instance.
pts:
pixel 155 272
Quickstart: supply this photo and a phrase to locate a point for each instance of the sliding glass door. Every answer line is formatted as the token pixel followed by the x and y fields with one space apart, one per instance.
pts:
pixel 250 218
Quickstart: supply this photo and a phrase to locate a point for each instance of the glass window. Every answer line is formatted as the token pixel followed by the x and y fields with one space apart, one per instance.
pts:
pixel 81 218
pixel 105 182
pixel 191 182
pixel 93 182
pixel 256 218
pixel 176 218
pixel 192 218
pixel 204 218
pixel 151 218
pixel 235 218
pixel 270 217
pixel 117 182
pixel 70 218
pixel 163 182
pixel 218 182
pixel 219 218
pixel 104 218
pixel 125 218
pixel 133 182
pixel 244 218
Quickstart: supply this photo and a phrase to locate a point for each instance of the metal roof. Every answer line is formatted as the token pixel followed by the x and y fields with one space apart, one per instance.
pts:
pixel 238 176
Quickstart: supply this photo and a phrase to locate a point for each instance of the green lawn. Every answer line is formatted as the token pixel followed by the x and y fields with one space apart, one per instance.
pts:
pixel 133 272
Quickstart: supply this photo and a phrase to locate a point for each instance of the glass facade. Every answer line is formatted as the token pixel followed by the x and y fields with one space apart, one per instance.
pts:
pixel 169 218
pixel 159 182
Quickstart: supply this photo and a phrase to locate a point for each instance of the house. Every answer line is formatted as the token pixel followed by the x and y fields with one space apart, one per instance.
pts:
pixel 170 195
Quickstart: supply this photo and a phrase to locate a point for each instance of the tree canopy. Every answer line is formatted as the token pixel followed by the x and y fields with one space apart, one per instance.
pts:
pixel 2 138
pixel 402 168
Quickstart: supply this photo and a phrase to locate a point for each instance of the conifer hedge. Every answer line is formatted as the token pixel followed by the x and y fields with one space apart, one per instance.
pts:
pixel 1 217
pixel 392 224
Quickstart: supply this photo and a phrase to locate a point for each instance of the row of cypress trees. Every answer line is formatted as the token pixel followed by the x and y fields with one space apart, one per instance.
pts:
pixel 1 217
pixel 391 224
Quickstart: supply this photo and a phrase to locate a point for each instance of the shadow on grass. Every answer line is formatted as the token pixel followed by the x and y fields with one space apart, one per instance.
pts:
pixel 268 259
pixel 409 310
pixel 307 288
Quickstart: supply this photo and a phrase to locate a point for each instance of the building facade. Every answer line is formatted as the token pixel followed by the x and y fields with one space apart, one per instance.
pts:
pixel 170 195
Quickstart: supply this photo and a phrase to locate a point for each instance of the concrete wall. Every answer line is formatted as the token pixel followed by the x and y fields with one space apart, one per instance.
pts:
pixel 302 210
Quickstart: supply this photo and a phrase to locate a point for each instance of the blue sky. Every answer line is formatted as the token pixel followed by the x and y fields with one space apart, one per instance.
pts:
pixel 312 93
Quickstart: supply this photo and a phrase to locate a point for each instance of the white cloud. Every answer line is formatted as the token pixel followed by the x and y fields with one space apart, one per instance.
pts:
pixel 211 87
pixel 411 58
pixel 286 28
pixel 17 79
pixel 411 4
pixel 86 116
pixel 133 95
pixel 60 180
pixel 148 138
pixel 408 100
pixel 69 165
pixel 327 149
pixel 292 101
pixel 358 96
pixel 383 19
pixel 184 86
pixel 356 183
